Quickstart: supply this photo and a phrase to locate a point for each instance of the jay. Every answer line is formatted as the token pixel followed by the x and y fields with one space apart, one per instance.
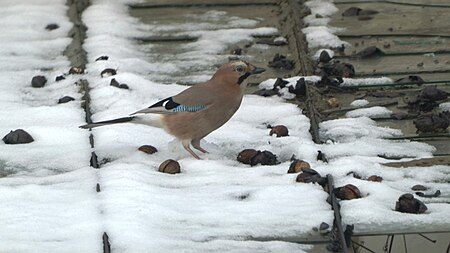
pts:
pixel 197 111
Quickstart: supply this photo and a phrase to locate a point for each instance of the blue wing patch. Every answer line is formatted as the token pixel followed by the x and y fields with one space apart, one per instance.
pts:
pixel 183 108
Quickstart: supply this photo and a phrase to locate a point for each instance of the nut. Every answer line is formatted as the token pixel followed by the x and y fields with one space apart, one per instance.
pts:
pixel 321 156
pixel 246 155
pixel 279 131
pixel 124 86
pixel 38 81
pixel 102 58
pixel 333 102
pixel 52 26
pixel 310 176
pixel 76 71
pixel 419 187
pixel 170 166
pixel 298 165
pixel 264 158
pixel 59 78
pixel 408 204
pixel 375 178
pixel 354 174
pixel 65 99
pixel 18 136
pixel 347 192
pixel 149 149
pixel 114 83
pixel 108 72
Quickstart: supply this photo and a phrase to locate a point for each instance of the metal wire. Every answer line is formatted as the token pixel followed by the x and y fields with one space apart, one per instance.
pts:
pixel 445 82
pixel 404 244
pixel 394 2
pixel 391 243
pixel 362 246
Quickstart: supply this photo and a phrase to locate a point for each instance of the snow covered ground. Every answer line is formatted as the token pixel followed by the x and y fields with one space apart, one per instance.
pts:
pixel 49 202
pixel 48 199
pixel 215 203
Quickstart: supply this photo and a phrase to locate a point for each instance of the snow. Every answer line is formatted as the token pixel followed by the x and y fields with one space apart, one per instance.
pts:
pixel 372 112
pixel 215 203
pixel 380 198
pixel 216 32
pixel 48 194
pixel 352 128
pixel 359 103
pixel 48 190
pixel 317 32
pixel 51 213
pixel 322 36
pixel 444 106
pixel 366 81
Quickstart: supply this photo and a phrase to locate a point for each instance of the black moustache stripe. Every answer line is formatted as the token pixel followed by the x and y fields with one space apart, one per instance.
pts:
pixel 243 77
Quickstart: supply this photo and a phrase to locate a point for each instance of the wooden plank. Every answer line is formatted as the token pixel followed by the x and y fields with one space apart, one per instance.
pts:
pixel 199 3
pixel 398 45
pixel 389 65
pixel 434 3
pixel 404 20
pixel 424 162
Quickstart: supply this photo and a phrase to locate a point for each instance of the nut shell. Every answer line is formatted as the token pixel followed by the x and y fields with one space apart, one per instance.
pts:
pixel 108 72
pixel 310 176
pixel 149 149
pixel 264 158
pixel 65 99
pixel 170 166
pixel 18 136
pixel 38 81
pixel 76 71
pixel 408 204
pixel 419 187
pixel 279 131
pixel 347 192
pixel 333 102
pixel 375 178
pixel 298 165
pixel 246 155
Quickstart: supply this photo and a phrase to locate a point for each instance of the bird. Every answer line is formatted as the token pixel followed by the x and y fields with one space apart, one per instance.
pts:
pixel 198 110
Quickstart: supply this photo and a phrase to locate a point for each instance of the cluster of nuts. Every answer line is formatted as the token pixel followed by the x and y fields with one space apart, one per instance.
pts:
pixel 254 157
pixel 307 175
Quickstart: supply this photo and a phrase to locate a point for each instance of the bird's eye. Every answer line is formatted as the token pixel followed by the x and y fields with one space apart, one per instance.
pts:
pixel 239 68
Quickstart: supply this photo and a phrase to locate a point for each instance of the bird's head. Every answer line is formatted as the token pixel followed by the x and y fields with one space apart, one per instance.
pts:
pixel 235 72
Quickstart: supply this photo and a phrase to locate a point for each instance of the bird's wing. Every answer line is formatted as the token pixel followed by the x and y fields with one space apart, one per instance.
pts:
pixel 190 100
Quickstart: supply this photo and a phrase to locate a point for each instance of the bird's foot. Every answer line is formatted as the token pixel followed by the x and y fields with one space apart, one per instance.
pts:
pixel 200 149
pixel 188 149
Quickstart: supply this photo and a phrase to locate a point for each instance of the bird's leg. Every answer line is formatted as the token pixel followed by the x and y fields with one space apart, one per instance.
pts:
pixel 196 145
pixel 188 149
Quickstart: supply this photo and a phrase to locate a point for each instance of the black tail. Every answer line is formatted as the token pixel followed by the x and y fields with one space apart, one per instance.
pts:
pixel 108 122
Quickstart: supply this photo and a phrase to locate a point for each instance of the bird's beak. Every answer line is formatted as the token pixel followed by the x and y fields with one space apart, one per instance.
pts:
pixel 257 70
